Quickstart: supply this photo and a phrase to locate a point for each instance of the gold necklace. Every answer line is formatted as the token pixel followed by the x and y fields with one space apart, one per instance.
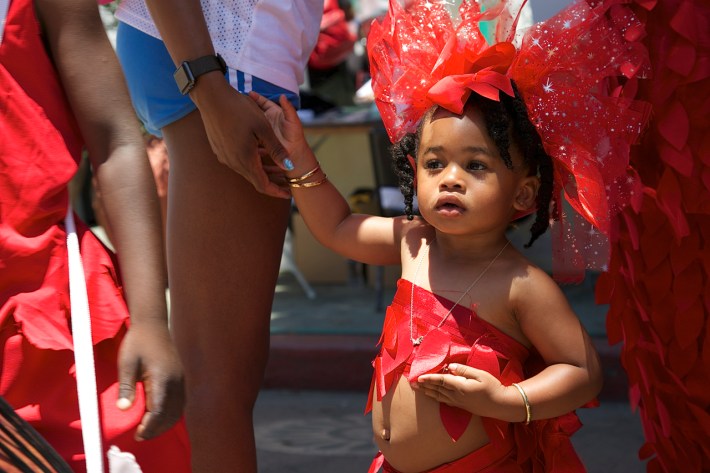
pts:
pixel 417 341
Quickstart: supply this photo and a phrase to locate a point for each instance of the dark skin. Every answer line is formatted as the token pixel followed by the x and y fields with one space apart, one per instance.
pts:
pixel 236 143
pixel 94 85
pixel 467 197
pixel 227 216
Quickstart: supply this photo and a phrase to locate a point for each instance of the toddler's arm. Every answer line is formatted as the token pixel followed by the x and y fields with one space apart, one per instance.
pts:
pixel 366 238
pixel 572 377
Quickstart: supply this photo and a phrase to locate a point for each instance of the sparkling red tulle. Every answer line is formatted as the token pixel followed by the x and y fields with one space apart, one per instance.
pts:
pixel 566 70
pixel 657 284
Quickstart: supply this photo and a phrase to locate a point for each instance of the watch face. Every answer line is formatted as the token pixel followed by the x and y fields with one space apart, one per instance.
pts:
pixel 184 78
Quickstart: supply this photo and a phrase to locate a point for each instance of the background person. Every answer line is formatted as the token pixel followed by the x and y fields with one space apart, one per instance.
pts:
pixel 68 98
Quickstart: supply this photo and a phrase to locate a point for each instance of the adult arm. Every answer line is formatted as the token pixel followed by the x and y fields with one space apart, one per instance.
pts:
pixel 235 126
pixel 94 85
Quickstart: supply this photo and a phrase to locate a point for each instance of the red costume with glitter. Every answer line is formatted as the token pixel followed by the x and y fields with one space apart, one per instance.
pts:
pixel 575 74
pixel 39 153
pixel 465 338
pixel 563 69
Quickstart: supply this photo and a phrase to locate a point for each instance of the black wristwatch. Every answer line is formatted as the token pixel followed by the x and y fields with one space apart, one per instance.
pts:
pixel 186 75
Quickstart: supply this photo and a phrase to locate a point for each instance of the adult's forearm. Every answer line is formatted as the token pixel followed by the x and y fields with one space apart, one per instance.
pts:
pixel 131 206
pixel 182 26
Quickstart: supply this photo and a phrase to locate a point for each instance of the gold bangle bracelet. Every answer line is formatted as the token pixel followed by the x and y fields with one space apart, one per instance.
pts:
pixel 302 178
pixel 528 410
pixel 309 184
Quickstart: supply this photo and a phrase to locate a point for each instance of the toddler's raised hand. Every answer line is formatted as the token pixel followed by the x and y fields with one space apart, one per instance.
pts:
pixel 284 121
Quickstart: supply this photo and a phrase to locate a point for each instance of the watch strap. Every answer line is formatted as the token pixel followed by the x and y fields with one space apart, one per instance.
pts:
pixel 205 64
pixel 186 75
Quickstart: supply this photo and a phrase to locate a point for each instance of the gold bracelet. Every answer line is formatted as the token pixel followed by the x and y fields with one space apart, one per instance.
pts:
pixel 528 410
pixel 309 184
pixel 302 178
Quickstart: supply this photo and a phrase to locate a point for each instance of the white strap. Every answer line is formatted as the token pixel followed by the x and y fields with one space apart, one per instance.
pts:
pixel 4 7
pixel 83 352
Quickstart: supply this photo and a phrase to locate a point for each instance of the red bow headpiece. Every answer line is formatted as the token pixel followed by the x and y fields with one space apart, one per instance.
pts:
pixel 567 71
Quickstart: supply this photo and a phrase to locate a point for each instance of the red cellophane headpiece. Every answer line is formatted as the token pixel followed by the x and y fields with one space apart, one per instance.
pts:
pixel 567 70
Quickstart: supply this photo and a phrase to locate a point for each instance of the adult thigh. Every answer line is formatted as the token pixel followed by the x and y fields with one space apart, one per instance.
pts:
pixel 224 243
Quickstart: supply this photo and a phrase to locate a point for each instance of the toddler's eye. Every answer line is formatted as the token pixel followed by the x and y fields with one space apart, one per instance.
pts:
pixel 476 166
pixel 433 164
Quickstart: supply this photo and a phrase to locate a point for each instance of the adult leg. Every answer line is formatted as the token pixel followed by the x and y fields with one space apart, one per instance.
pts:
pixel 224 249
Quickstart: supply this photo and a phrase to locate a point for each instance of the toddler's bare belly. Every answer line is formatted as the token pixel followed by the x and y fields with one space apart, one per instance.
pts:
pixel 408 430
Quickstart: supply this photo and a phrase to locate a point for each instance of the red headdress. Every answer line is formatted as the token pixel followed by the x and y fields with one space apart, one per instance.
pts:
pixel 566 70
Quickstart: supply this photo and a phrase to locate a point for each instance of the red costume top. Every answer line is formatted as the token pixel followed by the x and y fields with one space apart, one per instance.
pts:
pixel 39 153
pixel 465 338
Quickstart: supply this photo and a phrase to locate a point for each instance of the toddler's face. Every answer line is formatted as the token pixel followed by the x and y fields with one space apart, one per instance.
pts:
pixel 463 185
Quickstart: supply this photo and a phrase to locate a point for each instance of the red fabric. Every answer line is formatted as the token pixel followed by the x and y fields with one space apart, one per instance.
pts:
pixel 39 152
pixel 335 40
pixel 485 76
pixel 467 339
pixel 658 284
pixel 421 57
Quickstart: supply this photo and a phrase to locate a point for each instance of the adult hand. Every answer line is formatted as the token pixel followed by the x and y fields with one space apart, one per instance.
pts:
pixel 147 354
pixel 468 388
pixel 236 128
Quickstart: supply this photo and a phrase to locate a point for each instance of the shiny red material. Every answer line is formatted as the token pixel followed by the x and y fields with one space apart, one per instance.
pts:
pixel 486 78
pixel 658 282
pixel 465 338
pixel 564 68
pixel 39 153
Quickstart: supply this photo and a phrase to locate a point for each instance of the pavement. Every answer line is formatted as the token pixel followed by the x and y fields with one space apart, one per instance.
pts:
pixel 309 415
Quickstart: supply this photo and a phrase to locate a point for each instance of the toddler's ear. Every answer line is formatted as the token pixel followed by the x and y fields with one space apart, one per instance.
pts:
pixel 526 194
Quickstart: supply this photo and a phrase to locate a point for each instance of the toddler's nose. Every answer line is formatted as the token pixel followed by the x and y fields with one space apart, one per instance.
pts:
pixel 451 177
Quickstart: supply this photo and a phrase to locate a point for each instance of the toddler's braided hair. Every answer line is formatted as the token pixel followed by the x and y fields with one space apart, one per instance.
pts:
pixel 499 117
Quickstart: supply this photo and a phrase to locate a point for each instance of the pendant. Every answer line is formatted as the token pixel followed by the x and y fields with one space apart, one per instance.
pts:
pixel 418 341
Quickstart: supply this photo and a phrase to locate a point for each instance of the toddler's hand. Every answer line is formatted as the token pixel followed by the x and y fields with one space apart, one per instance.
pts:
pixel 468 388
pixel 284 121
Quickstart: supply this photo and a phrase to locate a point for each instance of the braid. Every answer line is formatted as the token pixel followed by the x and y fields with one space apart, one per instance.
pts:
pixel 537 159
pixel 406 146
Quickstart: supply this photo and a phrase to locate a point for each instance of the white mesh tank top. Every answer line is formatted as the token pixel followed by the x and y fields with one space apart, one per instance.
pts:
pixel 269 39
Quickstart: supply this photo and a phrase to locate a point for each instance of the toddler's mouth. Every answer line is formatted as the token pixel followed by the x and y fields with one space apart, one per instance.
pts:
pixel 450 208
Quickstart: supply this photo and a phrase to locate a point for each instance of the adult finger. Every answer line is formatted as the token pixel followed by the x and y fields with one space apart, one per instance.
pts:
pixel 155 423
pixel 275 149
pixel 127 370
pixel 260 100
pixel 273 189
pixel 260 179
pixel 164 403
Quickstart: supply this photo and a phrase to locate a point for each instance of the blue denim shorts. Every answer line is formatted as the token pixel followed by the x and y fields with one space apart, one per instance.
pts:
pixel 149 72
